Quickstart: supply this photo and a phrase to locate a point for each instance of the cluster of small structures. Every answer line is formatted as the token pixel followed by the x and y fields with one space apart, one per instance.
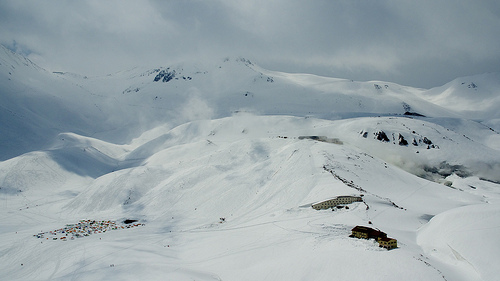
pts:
pixel 85 228
pixel 381 237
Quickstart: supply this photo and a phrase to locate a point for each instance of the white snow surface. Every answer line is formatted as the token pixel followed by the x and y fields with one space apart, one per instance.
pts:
pixel 222 164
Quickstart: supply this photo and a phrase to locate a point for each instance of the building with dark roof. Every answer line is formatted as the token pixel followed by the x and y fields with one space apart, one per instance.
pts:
pixel 381 237
pixel 388 243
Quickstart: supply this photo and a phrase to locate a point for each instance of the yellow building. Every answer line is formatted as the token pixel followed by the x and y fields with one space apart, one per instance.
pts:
pixel 388 243
pixel 368 233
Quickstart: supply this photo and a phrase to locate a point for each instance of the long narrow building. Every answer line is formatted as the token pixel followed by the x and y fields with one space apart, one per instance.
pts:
pixel 339 200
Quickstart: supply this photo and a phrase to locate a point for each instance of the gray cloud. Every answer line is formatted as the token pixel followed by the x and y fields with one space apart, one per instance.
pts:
pixel 423 44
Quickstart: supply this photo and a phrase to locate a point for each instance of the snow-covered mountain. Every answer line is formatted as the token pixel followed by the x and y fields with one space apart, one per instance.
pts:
pixel 220 162
pixel 475 97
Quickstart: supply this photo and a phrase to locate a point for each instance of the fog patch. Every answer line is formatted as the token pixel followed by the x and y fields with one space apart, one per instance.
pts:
pixel 195 108
pixel 432 172
pixel 439 172
pixel 414 164
pixel 488 171
pixel 445 169
pixel 322 139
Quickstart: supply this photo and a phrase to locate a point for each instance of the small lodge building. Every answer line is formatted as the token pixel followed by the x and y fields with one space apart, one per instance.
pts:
pixel 367 233
pixel 381 237
pixel 388 243
pixel 339 200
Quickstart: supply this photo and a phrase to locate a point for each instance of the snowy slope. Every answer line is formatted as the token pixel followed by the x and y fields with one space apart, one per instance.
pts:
pixel 221 163
pixel 37 105
pixel 243 169
pixel 474 97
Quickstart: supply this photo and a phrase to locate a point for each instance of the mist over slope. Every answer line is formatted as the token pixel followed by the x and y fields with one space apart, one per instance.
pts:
pixel 221 162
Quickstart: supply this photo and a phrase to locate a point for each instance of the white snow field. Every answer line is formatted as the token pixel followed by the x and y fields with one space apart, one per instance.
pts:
pixel 220 164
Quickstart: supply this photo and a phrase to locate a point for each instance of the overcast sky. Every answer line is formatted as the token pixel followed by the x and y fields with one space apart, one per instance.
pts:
pixel 415 43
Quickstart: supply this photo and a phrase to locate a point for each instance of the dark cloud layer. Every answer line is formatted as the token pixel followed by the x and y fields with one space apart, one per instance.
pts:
pixel 416 43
